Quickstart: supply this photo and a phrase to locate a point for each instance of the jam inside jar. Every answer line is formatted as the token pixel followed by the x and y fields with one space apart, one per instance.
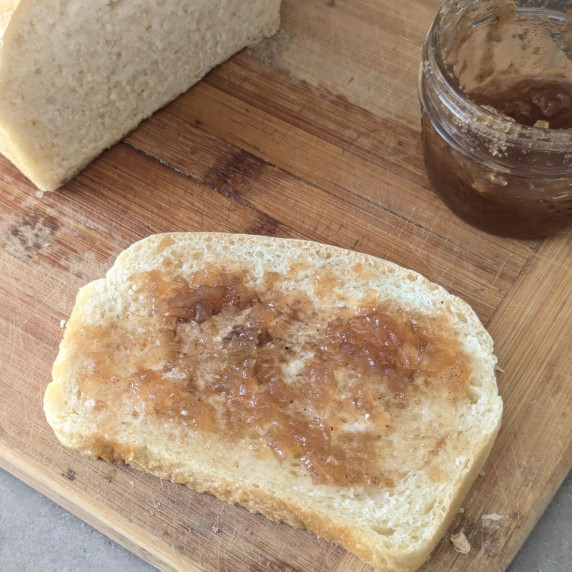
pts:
pixel 496 97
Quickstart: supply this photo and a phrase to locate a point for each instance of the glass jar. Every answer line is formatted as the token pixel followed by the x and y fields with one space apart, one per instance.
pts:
pixel 495 75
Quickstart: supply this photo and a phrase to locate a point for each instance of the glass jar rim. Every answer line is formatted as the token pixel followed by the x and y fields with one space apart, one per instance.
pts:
pixel 489 123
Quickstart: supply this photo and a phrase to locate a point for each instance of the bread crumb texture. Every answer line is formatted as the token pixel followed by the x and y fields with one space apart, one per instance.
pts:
pixel 322 387
pixel 76 76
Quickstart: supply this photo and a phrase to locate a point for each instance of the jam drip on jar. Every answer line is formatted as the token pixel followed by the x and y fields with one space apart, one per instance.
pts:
pixel 219 356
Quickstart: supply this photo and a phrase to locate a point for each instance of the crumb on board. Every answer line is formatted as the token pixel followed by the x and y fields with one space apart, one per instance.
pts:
pixel 492 516
pixel 460 543
pixel 499 368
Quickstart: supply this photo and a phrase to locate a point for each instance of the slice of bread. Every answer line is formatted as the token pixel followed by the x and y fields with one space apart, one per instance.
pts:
pixel 318 386
pixel 76 76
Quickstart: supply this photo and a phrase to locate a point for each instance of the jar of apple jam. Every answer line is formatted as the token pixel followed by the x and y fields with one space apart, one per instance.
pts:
pixel 496 99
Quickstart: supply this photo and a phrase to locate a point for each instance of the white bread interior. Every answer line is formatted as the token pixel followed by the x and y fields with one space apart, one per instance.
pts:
pixel 76 76
pixel 391 528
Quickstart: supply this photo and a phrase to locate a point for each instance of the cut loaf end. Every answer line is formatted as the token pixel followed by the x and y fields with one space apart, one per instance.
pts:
pixel 321 387
pixel 75 77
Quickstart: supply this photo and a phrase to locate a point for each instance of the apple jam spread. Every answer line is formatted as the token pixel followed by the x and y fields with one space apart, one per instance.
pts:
pixel 324 391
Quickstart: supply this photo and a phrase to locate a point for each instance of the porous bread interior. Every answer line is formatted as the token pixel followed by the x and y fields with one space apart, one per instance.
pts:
pixel 77 76
pixel 392 529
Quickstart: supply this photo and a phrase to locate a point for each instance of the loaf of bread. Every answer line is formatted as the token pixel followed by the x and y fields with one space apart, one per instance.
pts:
pixel 77 75
pixel 321 387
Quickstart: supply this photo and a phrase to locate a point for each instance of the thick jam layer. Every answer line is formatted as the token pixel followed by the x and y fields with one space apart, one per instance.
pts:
pixel 492 199
pixel 532 102
pixel 324 391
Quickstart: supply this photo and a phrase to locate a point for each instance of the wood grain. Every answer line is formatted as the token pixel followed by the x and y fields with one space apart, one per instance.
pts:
pixel 312 134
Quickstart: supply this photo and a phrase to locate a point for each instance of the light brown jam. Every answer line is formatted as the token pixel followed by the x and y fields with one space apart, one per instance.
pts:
pixel 493 199
pixel 532 102
pixel 326 395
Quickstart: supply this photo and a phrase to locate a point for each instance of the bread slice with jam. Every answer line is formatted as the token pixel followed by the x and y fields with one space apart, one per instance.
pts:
pixel 321 387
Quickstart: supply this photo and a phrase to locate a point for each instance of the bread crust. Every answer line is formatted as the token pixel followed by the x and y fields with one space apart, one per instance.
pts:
pixel 373 522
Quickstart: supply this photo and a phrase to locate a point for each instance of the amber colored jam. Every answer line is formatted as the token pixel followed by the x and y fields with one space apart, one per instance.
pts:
pixel 546 103
pixel 493 199
pixel 218 356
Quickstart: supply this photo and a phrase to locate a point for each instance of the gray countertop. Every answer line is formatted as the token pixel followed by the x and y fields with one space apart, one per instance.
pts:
pixel 37 534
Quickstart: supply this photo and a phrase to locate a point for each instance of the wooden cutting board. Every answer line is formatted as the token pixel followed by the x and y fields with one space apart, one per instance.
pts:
pixel 314 134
